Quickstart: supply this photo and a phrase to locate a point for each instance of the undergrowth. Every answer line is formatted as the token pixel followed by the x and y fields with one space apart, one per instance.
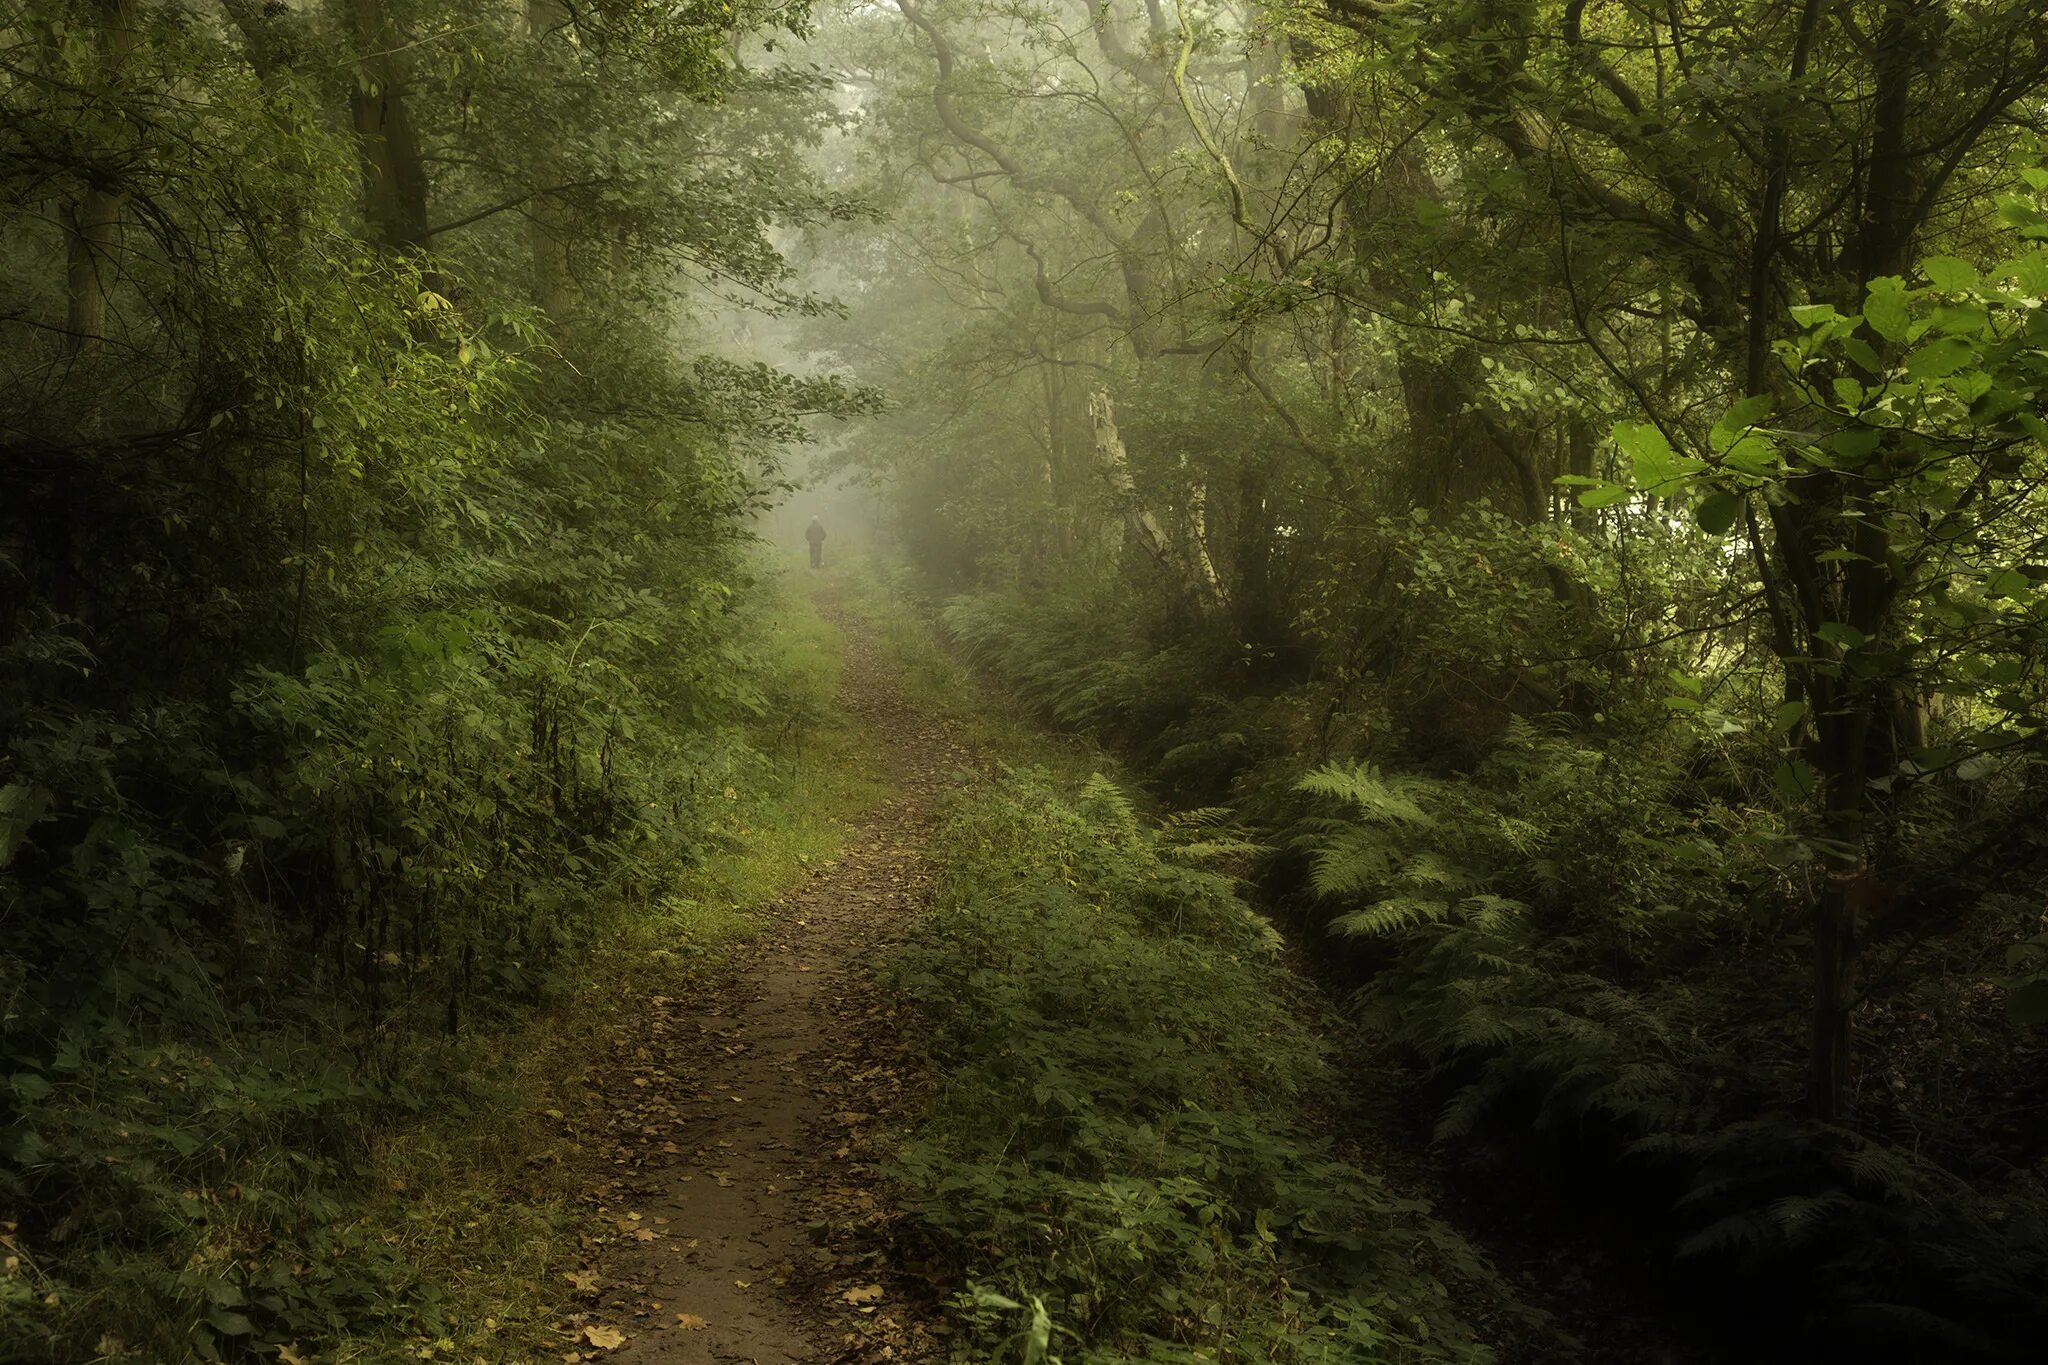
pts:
pixel 1585 930
pixel 230 1158
pixel 1113 1158
pixel 1552 937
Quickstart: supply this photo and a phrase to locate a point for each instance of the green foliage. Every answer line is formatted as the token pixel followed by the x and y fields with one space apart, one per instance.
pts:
pixel 376 621
pixel 1096 679
pixel 1086 667
pixel 1889 1244
pixel 1554 936
pixel 1114 1139
pixel 1616 480
pixel 1476 890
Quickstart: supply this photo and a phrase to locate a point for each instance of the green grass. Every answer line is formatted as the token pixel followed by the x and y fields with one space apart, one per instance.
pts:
pixel 1116 1158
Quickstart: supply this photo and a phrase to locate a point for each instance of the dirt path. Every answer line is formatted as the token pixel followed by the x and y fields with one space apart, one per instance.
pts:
pixel 736 1122
pixel 736 1116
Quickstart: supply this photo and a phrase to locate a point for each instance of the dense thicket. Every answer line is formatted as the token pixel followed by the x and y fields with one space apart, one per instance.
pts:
pixel 1572 473
pixel 373 599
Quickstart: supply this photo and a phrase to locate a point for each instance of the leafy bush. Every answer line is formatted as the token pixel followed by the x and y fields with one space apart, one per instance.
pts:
pixel 1114 1138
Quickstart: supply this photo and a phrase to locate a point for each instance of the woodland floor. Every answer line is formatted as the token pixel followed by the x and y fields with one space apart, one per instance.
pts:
pixel 741 1117
pixel 733 1137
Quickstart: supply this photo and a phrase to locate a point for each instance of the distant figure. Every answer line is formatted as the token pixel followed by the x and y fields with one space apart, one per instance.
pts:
pixel 815 533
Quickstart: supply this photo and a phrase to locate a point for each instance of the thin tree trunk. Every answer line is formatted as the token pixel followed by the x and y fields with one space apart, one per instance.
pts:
pixel 394 176
pixel 93 221
pixel 546 220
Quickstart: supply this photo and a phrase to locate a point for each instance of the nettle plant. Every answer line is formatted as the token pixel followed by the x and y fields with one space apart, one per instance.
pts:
pixel 1887 486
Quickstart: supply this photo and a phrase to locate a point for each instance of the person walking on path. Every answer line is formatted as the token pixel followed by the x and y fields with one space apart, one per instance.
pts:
pixel 815 533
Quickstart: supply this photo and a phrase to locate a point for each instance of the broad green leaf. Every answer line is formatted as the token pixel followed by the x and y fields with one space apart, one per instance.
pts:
pixel 1950 273
pixel 1960 319
pixel 230 1323
pixel 1755 453
pixel 1885 309
pixel 2029 272
pixel 1606 495
pixel 1735 424
pixel 2008 583
pixel 1858 350
pixel 29 1087
pixel 1939 358
pixel 1787 717
pixel 2027 218
pixel 1841 633
pixel 1797 781
pixel 1650 456
pixel 1717 512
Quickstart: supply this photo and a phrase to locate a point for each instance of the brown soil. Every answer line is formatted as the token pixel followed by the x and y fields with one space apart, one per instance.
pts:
pixel 743 1113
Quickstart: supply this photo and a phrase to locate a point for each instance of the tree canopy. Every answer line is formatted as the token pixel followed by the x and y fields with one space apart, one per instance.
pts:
pixel 1568 478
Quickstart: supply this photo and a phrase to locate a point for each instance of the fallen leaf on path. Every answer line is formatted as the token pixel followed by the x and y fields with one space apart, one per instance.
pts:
pixel 866 1293
pixel 690 1322
pixel 604 1338
pixel 584 1281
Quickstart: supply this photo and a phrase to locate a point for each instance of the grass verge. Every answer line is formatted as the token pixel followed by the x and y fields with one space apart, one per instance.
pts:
pixel 486 1198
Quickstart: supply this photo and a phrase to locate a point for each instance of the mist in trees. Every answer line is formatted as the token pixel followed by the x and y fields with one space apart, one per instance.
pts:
pixel 1571 475
pixel 1567 477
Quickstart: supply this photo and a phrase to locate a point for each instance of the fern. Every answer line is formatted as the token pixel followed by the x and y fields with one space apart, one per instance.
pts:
pixel 1384 800
pixel 1109 807
pixel 1391 916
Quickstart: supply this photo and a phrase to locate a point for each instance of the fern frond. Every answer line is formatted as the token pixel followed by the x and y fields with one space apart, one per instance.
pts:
pixel 1391 915
pixel 1213 850
pixel 1109 806
pixel 1430 868
pixel 1389 800
pixel 1737 1234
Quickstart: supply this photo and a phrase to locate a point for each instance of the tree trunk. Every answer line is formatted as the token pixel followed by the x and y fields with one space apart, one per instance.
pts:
pixel 547 221
pixel 394 176
pixel 92 222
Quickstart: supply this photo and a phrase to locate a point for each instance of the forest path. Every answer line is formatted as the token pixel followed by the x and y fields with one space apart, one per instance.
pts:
pixel 734 1107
